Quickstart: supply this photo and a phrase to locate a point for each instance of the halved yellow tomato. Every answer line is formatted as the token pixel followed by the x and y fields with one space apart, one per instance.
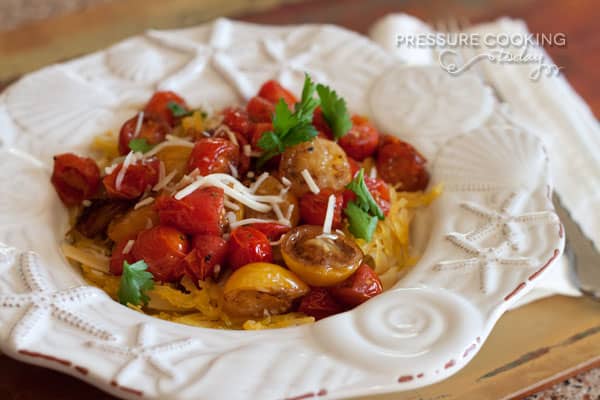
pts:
pixel 320 260
pixel 130 224
pixel 259 288
pixel 175 158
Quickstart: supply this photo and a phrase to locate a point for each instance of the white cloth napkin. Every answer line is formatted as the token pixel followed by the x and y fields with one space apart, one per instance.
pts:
pixel 550 108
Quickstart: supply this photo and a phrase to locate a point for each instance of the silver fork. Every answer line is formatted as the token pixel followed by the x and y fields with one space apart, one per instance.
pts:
pixel 582 255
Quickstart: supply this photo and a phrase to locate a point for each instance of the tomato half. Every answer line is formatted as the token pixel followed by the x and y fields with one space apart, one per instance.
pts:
pixel 322 125
pixel 257 132
pixel 162 248
pixel 159 105
pixel 117 257
pixel 137 178
pixel 214 155
pixel 272 230
pixel 313 207
pixel 153 129
pixel 200 212
pixel 319 303
pixel 260 109
pixel 398 163
pixel 237 120
pixel 273 91
pixel 248 245
pixel 361 140
pixel 75 178
pixel 208 251
pixel 360 287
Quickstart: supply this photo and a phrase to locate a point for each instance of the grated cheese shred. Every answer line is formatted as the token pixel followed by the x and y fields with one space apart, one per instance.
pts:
pixel 310 181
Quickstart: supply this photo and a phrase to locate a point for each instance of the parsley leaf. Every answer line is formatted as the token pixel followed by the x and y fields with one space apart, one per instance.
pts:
pixel 364 199
pixel 290 128
pixel 140 145
pixel 135 281
pixel 334 111
pixel 178 110
pixel 360 223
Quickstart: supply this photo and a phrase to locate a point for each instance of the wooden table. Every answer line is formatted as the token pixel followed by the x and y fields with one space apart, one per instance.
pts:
pixel 532 347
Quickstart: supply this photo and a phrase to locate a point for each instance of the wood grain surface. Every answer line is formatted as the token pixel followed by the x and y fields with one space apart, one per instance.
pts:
pixel 531 347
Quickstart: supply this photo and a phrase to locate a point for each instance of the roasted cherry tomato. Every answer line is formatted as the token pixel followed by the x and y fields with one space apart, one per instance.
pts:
pixel 319 303
pixel 272 230
pixel 260 109
pixel 162 248
pixel 260 289
pixel 357 289
pixel 128 225
pixel 117 257
pixel 324 160
pixel 241 141
pixel 237 120
pixel 313 207
pixel 320 260
pixel 273 91
pixel 272 186
pixel 208 252
pixel 153 129
pixel 200 212
pixel 75 178
pixel 257 132
pixel 354 166
pixel 214 155
pixel 248 245
pixel 159 105
pixel 322 125
pixel 378 189
pixel 138 176
pixel 398 163
pixel 361 140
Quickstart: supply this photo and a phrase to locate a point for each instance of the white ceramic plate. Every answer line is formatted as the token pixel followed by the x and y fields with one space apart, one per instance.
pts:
pixel 485 241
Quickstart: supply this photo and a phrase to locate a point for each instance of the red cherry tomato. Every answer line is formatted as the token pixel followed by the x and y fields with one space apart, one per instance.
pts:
pixel 200 212
pixel 214 155
pixel 378 189
pixel 398 163
pixel 354 166
pixel 358 288
pixel 162 248
pixel 273 91
pixel 361 140
pixel 243 159
pixel 257 133
pixel 319 303
pixel 159 105
pixel 237 120
pixel 313 207
pixel 260 109
pixel 117 257
pixel 248 245
pixel 322 125
pixel 137 178
pixel 75 178
pixel 272 230
pixel 208 251
pixel 153 129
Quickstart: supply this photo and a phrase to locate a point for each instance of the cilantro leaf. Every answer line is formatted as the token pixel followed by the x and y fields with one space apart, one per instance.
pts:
pixel 140 145
pixel 364 199
pixel 334 111
pixel 360 223
pixel 290 128
pixel 178 110
pixel 135 281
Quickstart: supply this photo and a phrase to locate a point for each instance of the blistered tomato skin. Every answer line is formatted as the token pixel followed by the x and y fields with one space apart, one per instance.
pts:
pixel 319 303
pixel 117 257
pixel 214 155
pixel 260 109
pixel 259 288
pixel 163 249
pixel 136 179
pixel 159 105
pixel 75 178
pixel 361 140
pixel 398 163
pixel 153 129
pixel 313 208
pixel 360 287
pixel 237 120
pixel 199 213
pixel 273 92
pixel 272 230
pixel 248 245
pixel 321 125
pixel 207 252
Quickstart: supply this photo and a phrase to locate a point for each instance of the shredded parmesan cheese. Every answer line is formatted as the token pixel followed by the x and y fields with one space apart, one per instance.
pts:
pixel 144 202
pixel 164 181
pixel 286 181
pixel 248 221
pixel 310 181
pixel 254 187
pixel 138 124
pixel 231 204
pixel 130 159
pixel 128 246
pixel 329 215
pixel 247 150
pixel 86 203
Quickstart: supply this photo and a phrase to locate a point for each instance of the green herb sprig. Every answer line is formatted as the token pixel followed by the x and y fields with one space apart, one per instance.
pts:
pixel 135 282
